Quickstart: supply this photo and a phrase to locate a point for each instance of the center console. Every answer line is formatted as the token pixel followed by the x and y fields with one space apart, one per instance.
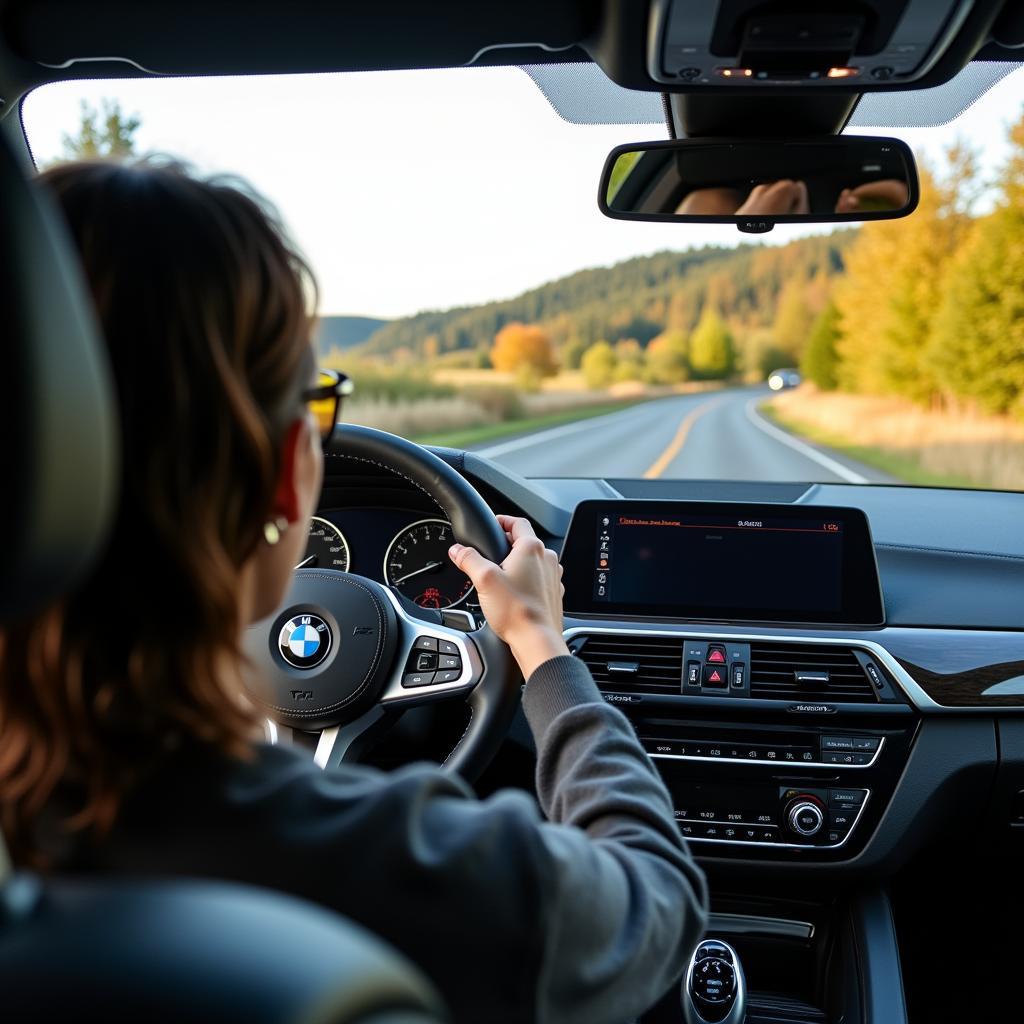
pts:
pixel 781 737
pixel 746 646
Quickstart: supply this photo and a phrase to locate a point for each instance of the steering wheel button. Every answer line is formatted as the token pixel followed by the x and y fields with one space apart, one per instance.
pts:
pixel 447 647
pixel 447 676
pixel 425 643
pixel 427 662
pixel 449 661
pixel 419 678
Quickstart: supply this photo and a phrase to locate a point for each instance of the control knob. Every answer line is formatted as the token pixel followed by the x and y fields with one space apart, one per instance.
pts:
pixel 805 817
pixel 714 989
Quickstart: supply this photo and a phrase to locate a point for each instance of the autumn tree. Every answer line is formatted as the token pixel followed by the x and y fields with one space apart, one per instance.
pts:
pixel 712 350
pixel 598 365
pixel 629 360
pixel 573 352
pixel 977 347
pixel 524 349
pixel 102 134
pixel 820 361
pixel 667 357
pixel 793 319
pixel 895 277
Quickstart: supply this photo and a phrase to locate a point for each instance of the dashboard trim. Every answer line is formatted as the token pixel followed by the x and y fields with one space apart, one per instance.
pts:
pixel 904 681
pixel 754 924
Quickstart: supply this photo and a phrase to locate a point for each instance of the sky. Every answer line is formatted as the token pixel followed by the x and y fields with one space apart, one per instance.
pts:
pixel 413 190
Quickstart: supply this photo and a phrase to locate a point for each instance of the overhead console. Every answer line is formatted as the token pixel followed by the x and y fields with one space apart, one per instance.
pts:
pixel 746 44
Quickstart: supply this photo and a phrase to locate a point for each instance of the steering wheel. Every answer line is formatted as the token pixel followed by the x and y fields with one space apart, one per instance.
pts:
pixel 342 651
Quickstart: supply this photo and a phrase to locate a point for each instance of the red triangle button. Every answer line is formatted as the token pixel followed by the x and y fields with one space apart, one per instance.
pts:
pixel 714 676
pixel 716 657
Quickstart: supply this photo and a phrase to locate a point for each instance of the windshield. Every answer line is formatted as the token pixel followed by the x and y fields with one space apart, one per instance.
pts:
pixel 474 292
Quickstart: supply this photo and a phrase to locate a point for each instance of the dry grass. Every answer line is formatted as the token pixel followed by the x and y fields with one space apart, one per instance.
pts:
pixel 418 417
pixel 565 381
pixel 988 451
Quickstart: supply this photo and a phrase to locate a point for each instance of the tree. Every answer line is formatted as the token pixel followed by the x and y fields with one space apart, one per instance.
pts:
pixel 820 361
pixel 573 352
pixel 667 358
pixel 793 319
pixel 896 273
pixel 102 135
pixel 598 365
pixel 977 346
pixel 524 349
pixel 629 360
pixel 712 352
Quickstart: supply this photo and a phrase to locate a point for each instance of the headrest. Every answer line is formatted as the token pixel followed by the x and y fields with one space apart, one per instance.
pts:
pixel 59 466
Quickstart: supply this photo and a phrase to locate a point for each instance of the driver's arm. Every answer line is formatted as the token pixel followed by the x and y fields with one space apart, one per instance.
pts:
pixel 626 904
pixel 623 901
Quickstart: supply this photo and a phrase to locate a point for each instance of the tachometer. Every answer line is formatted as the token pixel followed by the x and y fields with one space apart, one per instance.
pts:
pixel 326 547
pixel 417 565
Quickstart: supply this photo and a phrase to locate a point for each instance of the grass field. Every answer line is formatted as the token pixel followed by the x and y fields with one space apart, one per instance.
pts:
pixel 491 432
pixel 919 446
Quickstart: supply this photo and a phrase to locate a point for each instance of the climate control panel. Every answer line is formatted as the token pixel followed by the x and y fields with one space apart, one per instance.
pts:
pixel 786 816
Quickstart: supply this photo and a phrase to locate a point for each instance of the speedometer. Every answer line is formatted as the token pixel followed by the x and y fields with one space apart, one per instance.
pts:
pixel 326 547
pixel 417 565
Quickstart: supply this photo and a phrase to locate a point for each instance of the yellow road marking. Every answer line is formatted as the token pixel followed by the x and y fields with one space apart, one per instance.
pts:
pixel 675 446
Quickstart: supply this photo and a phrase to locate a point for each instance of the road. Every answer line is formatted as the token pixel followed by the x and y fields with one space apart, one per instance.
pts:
pixel 716 435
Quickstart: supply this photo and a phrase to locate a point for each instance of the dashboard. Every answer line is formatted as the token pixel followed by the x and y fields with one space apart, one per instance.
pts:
pixel 838 743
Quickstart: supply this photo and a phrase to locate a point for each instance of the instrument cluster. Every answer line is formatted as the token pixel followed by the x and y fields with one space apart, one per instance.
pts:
pixel 400 548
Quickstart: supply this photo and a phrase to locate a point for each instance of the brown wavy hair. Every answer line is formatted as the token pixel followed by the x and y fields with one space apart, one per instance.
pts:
pixel 206 310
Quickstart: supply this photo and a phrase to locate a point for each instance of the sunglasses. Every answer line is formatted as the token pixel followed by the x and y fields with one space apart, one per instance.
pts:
pixel 324 399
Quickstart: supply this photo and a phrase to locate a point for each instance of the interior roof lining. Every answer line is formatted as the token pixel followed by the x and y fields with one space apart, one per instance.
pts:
pixel 580 93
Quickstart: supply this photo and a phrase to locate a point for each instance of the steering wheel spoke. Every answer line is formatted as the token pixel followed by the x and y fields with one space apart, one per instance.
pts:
pixel 432 662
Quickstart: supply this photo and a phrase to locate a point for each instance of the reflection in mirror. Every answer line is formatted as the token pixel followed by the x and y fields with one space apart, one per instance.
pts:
pixel 835 178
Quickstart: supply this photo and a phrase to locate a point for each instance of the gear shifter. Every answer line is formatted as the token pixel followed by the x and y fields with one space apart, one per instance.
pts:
pixel 714 990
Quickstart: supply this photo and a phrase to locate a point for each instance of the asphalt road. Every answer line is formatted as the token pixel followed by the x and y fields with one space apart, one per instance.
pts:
pixel 714 436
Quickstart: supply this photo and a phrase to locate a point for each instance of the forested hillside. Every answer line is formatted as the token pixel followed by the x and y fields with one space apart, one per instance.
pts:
pixel 344 332
pixel 636 301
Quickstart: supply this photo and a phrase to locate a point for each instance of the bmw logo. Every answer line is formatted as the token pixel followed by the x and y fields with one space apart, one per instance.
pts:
pixel 304 641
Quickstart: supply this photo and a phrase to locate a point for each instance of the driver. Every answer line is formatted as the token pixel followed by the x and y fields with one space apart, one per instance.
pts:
pixel 127 745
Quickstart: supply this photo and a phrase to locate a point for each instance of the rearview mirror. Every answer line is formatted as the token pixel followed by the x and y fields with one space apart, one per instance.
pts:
pixel 756 184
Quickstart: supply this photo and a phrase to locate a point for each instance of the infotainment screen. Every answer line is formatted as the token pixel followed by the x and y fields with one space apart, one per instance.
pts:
pixel 800 564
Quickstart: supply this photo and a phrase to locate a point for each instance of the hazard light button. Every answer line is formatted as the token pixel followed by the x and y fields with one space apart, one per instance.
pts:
pixel 716 676
pixel 716 655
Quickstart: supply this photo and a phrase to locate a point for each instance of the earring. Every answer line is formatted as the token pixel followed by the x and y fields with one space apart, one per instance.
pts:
pixel 273 529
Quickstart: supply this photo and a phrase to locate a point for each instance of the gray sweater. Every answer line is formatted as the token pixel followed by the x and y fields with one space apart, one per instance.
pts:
pixel 587 916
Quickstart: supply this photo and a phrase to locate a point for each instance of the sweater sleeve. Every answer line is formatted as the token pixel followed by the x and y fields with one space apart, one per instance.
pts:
pixel 625 902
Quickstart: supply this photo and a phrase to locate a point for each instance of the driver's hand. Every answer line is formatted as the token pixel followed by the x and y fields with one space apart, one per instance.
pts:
pixel 521 598
pixel 783 196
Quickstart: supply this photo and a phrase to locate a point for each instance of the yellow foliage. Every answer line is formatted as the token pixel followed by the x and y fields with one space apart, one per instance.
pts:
pixel 523 347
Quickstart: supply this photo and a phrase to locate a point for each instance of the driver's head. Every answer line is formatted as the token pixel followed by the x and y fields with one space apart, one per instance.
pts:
pixel 206 310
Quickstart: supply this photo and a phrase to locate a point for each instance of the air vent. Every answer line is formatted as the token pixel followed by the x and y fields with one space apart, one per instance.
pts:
pixel 633 664
pixel 808 672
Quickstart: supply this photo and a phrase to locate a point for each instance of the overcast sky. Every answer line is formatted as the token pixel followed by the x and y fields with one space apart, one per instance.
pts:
pixel 413 190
